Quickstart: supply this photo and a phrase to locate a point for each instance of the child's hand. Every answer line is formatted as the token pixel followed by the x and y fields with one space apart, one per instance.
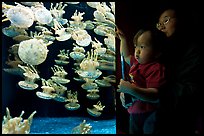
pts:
pixel 120 34
pixel 125 87
pixel 122 99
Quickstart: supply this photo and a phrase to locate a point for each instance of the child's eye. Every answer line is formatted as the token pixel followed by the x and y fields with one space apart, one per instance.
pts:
pixel 142 47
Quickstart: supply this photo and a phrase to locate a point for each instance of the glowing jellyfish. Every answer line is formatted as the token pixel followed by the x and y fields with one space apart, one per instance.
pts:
pixel 59 75
pixel 30 75
pixel 63 56
pixel 96 111
pixel 83 128
pixel 102 83
pixel 16 125
pixel 33 51
pixel 73 102
pixel 81 37
pixel 42 15
pixel 93 4
pixel 13 31
pixel 92 94
pixel 20 16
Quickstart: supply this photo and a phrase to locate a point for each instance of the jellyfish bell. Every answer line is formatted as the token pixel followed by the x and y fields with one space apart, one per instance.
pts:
pixel 89 86
pixel 13 31
pixel 110 23
pixel 15 71
pixel 92 94
pixel 44 95
pixel 110 41
pixel 89 25
pixel 103 30
pixel 96 111
pixel 72 106
pixel 110 16
pixel 42 15
pixel 93 112
pixel 63 34
pixel 78 49
pixel 59 98
pixel 108 57
pixel 60 80
pixel 42 28
pixel 100 30
pixel 61 62
pixel 93 4
pixel 27 85
pixel 102 83
pixel 77 55
pixel 99 16
pixel 89 74
pixel 110 78
pixel 33 51
pixel 20 16
pixel 81 37
pixel 75 24
pixel 30 3
pixel 100 50
pixel 20 38
pixel 72 2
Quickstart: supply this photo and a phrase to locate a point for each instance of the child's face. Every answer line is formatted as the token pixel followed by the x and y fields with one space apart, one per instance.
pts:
pixel 143 50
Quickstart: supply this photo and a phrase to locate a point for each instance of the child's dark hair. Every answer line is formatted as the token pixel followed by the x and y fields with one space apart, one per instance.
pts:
pixel 158 38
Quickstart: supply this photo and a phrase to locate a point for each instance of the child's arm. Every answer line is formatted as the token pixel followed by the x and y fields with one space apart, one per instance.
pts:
pixel 144 94
pixel 124 49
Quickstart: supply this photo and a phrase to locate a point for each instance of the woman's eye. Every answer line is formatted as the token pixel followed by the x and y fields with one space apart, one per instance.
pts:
pixel 166 21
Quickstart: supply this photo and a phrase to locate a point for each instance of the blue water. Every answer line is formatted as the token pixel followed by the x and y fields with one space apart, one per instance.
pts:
pixel 64 125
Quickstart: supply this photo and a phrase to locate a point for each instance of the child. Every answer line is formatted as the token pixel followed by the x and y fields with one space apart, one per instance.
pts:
pixel 146 74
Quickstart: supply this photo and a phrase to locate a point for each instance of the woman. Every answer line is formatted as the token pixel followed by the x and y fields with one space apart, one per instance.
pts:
pixel 179 96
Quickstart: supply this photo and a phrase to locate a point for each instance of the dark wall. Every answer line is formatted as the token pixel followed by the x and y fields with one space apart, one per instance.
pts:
pixel 132 15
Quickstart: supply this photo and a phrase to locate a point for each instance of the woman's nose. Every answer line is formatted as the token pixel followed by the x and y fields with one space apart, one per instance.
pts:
pixel 162 27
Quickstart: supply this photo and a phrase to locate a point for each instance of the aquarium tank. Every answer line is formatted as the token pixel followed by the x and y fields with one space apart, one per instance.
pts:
pixel 58 68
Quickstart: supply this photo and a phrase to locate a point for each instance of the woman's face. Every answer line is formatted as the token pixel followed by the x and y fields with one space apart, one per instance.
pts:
pixel 167 22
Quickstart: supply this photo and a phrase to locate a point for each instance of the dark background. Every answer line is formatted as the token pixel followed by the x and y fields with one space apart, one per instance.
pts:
pixel 132 15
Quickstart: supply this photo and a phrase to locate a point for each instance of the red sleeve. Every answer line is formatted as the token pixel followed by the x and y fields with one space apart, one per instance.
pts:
pixel 155 77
